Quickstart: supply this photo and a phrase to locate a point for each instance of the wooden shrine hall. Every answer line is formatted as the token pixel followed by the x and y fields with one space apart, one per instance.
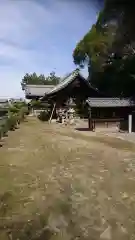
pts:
pixel 72 91
pixel 120 111
pixel 73 86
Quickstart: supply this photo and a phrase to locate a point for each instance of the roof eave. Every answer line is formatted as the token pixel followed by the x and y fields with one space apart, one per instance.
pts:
pixel 129 103
pixel 78 74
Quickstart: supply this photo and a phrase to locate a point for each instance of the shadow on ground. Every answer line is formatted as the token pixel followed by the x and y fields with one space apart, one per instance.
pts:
pixel 84 129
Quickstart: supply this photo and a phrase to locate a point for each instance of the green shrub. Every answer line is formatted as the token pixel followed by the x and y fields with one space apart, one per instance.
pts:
pixel 1 132
pixel 13 109
pixel 4 129
pixel 12 122
pixel 17 107
pixel 25 110
pixel 44 116
pixel 22 113
pixel 15 116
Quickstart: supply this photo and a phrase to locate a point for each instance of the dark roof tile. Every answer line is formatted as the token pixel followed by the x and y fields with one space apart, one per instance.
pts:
pixel 37 90
pixel 110 102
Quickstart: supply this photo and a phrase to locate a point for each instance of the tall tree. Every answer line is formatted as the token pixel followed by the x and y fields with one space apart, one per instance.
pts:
pixel 93 49
pixel 53 79
pixel 124 13
pixel 110 58
pixel 34 79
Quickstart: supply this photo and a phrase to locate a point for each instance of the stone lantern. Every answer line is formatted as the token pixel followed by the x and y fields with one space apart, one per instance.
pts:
pixel 70 111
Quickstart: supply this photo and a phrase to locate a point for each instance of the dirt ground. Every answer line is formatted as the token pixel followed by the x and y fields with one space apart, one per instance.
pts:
pixel 58 183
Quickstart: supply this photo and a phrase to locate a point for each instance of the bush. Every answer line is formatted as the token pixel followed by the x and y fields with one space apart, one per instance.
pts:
pixel 1 133
pixel 15 116
pixel 22 113
pixel 13 109
pixel 44 116
pixel 12 122
pixel 25 110
pixel 17 107
pixel 3 129
pixel 21 116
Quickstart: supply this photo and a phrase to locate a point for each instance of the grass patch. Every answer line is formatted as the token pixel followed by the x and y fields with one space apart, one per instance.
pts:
pixel 108 140
pixel 57 184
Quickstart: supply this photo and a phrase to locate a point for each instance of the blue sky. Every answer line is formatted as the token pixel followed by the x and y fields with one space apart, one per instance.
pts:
pixel 39 36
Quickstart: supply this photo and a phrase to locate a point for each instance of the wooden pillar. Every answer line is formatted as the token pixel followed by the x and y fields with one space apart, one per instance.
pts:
pixel 52 112
pixel 89 119
pixel 130 123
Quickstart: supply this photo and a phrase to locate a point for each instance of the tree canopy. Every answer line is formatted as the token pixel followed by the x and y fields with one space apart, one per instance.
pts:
pixel 108 49
pixel 88 50
pixel 124 13
pixel 95 47
pixel 34 79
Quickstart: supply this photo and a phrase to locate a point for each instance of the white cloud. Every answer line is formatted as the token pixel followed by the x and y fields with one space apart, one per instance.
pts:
pixel 20 20
pixel 39 37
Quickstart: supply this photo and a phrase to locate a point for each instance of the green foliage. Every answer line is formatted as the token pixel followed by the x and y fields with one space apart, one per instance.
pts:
pixel 34 79
pixel 1 133
pixel 12 122
pixel 108 51
pixel 3 112
pixel 123 13
pixel 19 105
pixel 4 128
pixel 117 78
pixel 52 79
pixel 13 109
pixel 93 49
pixel 44 116
pixel 35 103
pixel 22 113
pixel 16 114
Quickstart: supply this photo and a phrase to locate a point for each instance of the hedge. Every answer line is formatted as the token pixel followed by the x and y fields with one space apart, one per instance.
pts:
pixel 13 120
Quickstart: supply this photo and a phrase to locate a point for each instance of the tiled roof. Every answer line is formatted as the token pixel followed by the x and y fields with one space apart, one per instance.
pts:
pixel 68 79
pixel 110 102
pixel 63 83
pixel 37 90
